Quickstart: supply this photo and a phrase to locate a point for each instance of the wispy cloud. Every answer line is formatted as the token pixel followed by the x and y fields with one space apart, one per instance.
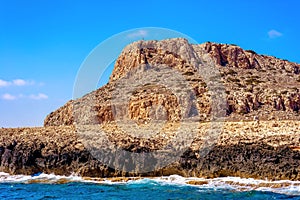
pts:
pixel 274 34
pixel 21 82
pixel 40 96
pixel 16 82
pixel 4 83
pixel 139 33
pixel 10 97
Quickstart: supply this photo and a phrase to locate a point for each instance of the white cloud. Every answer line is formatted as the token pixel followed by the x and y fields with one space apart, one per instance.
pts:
pixel 19 82
pixel 139 33
pixel 4 83
pixel 8 97
pixel 40 96
pixel 274 34
pixel 16 82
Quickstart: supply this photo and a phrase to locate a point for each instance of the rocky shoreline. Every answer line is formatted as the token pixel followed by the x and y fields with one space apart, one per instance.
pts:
pixel 264 149
pixel 175 82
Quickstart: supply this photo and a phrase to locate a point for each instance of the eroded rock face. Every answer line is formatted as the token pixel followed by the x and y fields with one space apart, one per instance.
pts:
pixel 257 86
pixel 261 150
pixel 62 116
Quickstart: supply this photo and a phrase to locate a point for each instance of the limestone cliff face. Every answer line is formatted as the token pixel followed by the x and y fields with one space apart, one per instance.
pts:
pixel 257 86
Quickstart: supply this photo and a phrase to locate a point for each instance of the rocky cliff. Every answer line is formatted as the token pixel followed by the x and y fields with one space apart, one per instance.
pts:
pixel 257 86
pixel 258 134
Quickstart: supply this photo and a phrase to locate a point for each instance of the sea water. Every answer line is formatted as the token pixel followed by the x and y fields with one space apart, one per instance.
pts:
pixel 50 186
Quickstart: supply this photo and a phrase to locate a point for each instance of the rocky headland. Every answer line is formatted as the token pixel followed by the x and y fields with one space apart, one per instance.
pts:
pixel 259 134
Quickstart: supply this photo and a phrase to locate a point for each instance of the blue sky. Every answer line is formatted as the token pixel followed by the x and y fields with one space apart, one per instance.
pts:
pixel 43 42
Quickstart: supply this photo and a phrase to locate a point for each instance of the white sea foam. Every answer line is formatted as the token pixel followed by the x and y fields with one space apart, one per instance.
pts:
pixel 230 183
pixel 46 178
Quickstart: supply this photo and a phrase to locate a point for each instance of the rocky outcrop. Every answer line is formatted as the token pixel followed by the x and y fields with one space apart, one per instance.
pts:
pixel 257 86
pixel 62 116
pixel 247 149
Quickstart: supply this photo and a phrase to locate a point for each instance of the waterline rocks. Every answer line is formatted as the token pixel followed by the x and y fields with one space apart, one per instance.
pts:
pixel 245 149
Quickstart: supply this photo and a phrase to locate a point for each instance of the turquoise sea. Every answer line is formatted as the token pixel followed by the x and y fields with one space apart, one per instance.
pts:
pixel 46 186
